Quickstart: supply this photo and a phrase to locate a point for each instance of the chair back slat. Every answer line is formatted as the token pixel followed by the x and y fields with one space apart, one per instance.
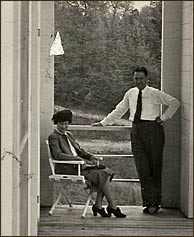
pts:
pixel 51 163
pixel 74 178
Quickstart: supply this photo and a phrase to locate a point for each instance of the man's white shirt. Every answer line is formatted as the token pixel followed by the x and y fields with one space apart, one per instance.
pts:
pixel 152 99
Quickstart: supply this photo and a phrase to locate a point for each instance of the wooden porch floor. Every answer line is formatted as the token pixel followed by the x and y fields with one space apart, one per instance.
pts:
pixel 68 222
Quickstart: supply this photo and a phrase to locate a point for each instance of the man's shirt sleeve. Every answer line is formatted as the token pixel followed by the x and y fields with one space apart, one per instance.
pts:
pixel 118 112
pixel 172 103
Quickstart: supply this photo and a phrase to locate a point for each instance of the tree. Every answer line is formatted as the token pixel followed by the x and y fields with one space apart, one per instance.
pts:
pixel 103 42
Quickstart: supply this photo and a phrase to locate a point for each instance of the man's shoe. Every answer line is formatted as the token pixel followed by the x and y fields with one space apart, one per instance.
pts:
pixel 157 209
pixel 151 210
pixel 146 210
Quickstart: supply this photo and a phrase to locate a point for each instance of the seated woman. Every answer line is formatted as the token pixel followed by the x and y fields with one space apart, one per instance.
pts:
pixel 64 147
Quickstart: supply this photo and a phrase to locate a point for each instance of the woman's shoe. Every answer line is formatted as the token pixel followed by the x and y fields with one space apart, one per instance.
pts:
pixel 100 211
pixel 117 212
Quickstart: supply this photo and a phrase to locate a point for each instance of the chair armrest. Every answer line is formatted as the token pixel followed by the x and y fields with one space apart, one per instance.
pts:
pixel 72 162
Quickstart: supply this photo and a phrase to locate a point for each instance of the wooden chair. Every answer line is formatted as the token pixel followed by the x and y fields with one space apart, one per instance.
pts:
pixel 78 179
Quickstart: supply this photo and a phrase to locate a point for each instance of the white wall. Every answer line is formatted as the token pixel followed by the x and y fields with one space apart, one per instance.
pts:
pixel 177 79
pixel 171 80
pixel 7 24
pixel 20 117
pixel 34 116
pixel 186 183
pixel 47 96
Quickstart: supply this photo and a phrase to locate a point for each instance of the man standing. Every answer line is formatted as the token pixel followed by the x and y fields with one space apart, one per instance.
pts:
pixel 147 135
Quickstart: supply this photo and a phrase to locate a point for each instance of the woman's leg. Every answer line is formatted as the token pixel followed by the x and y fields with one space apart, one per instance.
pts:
pixel 108 194
pixel 112 207
pixel 99 198
pixel 97 208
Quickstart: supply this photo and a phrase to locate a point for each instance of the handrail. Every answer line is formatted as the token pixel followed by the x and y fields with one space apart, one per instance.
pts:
pixel 72 162
pixel 126 180
pixel 106 128
pixel 100 128
pixel 111 155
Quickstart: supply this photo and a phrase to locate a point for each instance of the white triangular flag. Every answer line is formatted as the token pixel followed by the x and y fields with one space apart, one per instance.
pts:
pixel 57 48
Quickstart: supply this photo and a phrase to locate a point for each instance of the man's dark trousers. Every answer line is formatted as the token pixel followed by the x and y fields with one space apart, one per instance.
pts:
pixel 147 139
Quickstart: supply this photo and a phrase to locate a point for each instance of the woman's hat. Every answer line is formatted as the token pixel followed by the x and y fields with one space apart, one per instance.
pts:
pixel 62 116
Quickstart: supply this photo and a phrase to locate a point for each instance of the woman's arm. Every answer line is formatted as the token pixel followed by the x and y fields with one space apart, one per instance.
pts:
pixel 80 151
pixel 56 151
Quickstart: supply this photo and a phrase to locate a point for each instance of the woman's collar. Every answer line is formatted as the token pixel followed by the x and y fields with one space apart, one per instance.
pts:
pixel 62 133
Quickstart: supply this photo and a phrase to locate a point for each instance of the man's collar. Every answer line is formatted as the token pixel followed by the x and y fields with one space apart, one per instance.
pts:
pixel 145 89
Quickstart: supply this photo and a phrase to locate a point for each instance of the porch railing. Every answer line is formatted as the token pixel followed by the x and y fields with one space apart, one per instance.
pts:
pixel 107 128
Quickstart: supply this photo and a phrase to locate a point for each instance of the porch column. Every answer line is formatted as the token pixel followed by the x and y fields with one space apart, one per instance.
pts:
pixel 171 80
pixel 186 169
pixel 46 95
pixel 7 54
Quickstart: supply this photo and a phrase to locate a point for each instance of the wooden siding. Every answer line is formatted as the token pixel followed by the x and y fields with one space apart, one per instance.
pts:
pixel 68 222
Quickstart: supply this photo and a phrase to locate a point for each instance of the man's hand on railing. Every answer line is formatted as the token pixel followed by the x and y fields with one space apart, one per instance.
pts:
pixel 98 124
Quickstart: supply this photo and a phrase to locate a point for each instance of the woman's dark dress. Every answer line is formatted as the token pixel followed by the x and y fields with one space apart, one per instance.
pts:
pixel 60 150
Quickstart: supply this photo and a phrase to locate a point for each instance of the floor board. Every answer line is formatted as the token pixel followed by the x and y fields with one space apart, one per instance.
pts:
pixel 68 222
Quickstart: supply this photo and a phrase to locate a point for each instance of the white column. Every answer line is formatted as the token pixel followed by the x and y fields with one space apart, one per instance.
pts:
pixel 46 96
pixel 16 114
pixel 171 79
pixel 186 169
pixel 7 30
pixel 34 117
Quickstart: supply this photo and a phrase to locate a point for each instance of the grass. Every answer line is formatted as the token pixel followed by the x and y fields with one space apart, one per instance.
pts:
pixel 123 167
pixel 101 146
pixel 81 117
pixel 123 193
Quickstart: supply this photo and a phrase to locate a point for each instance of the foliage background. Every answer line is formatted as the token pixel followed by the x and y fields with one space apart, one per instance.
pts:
pixel 103 42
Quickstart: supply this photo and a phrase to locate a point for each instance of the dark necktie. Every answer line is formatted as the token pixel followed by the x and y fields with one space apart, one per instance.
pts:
pixel 137 116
